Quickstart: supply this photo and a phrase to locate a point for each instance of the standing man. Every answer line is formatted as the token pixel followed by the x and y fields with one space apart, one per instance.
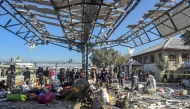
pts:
pixel 120 77
pixel 77 75
pixel 46 73
pixel 55 74
pixel 26 75
pixel 135 81
pixel 3 73
pixel 105 79
pixel 165 79
pixel 52 75
pixel 10 77
pixel 61 76
pixel 140 75
pixel 110 77
pixel 71 75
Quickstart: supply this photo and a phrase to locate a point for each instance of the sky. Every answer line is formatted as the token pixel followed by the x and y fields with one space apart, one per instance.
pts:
pixel 11 45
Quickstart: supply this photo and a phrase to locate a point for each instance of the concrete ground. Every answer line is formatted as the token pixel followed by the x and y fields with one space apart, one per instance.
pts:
pixel 60 104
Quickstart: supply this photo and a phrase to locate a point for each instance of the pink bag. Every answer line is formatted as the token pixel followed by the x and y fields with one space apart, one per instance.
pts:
pixel 46 97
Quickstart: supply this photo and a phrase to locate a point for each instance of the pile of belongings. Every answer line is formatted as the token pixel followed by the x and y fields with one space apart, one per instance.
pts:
pixel 80 85
pixel 40 95
pixel 27 92
pixel 45 94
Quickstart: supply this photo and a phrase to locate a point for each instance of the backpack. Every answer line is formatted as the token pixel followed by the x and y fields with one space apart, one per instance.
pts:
pixel 120 75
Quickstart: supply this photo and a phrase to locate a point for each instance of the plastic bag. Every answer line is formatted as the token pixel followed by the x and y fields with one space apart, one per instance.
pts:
pixel 32 96
pixel 105 95
pixel 16 97
pixel 41 92
pixel 3 93
pixel 46 98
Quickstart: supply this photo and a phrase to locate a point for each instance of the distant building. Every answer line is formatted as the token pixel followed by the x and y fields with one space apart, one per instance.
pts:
pixel 18 59
pixel 129 67
pixel 172 50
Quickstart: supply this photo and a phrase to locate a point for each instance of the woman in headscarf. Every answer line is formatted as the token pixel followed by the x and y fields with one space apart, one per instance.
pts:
pixel 10 77
pixel 150 82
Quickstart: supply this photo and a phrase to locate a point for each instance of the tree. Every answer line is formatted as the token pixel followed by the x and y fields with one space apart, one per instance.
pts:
pixel 122 59
pixel 104 57
pixel 161 62
pixel 186 38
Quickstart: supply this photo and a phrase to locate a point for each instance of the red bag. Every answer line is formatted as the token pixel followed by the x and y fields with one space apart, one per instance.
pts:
pixel 49 86
pixel 66 87
pixel 46 97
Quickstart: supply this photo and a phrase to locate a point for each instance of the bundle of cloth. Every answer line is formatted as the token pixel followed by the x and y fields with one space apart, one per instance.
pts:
pixel 79 86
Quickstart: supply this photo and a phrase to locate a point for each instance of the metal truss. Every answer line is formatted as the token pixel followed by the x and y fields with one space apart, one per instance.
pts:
pixel 168 20
pixel 24 27
pixel 78 20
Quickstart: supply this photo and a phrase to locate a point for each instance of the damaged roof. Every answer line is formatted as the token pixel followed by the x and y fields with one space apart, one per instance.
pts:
pixel 170 44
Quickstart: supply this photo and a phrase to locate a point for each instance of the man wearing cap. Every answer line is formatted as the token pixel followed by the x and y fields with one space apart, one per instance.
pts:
pixel 26 75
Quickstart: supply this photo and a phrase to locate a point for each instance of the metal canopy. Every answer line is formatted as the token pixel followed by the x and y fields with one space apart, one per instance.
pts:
pixel 81 19
pixel 167 20
pixel 78 19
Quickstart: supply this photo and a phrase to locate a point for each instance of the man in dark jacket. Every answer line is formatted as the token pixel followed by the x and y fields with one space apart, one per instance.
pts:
pixel 105 79
pixel 46 73
pixel 62 75
pixel 27 76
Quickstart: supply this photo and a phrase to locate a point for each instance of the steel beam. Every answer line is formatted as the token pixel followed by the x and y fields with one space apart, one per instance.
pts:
pixel 62 46
pixel 81 3
pixel 60 21
pixel 13 25
pixel 34 32
pixel 155 25
pixel 85 59
pixel 127 13
pixel 172 21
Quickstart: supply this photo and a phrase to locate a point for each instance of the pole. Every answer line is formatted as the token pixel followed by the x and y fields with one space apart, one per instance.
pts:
pixel 85 59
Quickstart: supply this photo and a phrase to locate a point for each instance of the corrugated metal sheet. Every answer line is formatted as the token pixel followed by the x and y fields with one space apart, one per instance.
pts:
pixel 181 21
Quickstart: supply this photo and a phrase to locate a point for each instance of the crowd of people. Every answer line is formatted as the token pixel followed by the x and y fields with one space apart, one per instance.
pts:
pixel 101 77
pixel 64 75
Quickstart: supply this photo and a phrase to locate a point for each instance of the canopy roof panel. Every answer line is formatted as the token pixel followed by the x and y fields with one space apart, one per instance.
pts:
pixel 74 15
pixel 167 20
pixel 92 22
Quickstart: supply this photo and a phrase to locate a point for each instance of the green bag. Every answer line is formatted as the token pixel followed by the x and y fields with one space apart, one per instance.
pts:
pixel 16 97
pixel 122 104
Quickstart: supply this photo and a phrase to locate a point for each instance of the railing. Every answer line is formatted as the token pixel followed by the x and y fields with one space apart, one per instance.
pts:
pixel 43 61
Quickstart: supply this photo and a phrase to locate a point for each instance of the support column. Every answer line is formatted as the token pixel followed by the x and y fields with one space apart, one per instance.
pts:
pixel 85 59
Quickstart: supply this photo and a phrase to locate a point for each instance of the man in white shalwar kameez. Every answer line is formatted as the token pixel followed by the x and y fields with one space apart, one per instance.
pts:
pixel 151 82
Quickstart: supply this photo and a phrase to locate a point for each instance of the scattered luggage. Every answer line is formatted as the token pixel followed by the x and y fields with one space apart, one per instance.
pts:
pixel 46 98
pixel 16 97
pixel 32 96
